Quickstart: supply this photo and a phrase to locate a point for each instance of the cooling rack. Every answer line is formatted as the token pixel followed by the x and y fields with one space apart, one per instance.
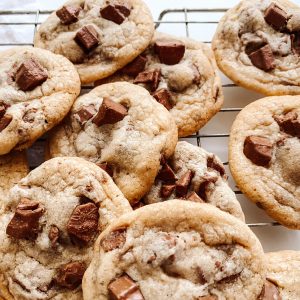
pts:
pixel 19 28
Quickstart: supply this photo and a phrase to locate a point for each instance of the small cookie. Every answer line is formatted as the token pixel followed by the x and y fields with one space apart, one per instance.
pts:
pixel 264 156
pixel 37 89
pixel 257 46
pixel 98 36
pixel 176 250
pixel 283 276
pixel 194 174
pixel 48 227
pixel 120 127
pixel 188 84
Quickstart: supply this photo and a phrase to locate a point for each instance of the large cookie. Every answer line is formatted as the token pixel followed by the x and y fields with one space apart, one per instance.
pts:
pixel 37 89
pixel 98 36
pixel 196 175
pixel 264 156
pixel 123 129
pixel 257 46
pixel 176 250
pixel 48 227
pixel 188 83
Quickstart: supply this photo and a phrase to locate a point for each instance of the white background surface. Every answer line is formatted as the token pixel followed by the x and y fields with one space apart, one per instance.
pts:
pixel 272 238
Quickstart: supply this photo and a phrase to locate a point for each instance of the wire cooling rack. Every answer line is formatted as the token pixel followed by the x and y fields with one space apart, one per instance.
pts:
pixel 19 28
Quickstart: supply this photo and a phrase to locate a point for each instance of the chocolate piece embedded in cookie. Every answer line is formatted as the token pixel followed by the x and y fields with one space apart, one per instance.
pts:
pixel 193 196
pixel 170 52
pixel 70 275
pixel 116 11
pixel 68 14
pixel 263 58
pixel 164 97
pixel 135 67
pixel 289 123
pixel 86 113
pixel 295 40
pixel 166 174
pixel 276 17
pixel 269 292
pixel 166 190
pixel 5 121
pixel 30 75
pixel 114 240
pixel 107 168
pixel 150 77
pixel 54 235
pixel 87 38
pixel 182 185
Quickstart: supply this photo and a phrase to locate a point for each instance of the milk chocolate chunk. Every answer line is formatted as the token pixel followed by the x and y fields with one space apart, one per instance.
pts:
pixel 263 58
pixel 149 77
pixel 193 196
pixel 164 97
pixel 124 288
pixel 170 52
pixel 70 275
pixel 3 108
pixel 258 149
pixel 115 239
pixel 166 174
pixel 276 17
pixel 30 74
pixel 182 185
pixel 214 164
pixel 5 121
pixel 230 278
pixel 53 235
pixel 110 112
pixel 289 123
pixel 116 11
pixel 86 113
pixel 207 179
pixel 83 223
pixel 253 46
pixel 135 67
pixel 270 292
pixel 68 14
pixel 25 222
pixel 166 190
pixel 107 168
pixel 295 40
pixel 87 38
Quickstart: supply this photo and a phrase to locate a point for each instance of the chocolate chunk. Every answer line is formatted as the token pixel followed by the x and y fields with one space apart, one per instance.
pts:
pixel 276 17
pixel 110 112
pixel 68 14
pixel 253 46
pixel 166 190
pixel 107 168
pixel 53 235
pixel 170 52
pixel 123 7
pixel 86 113
pixel 116 12
pixel 3 108
pixel 149 77
pixel 166 174
pixel 289 123
pixel 70 275
pixel 115 239
pixel 87 38
pixel 230 278
pixel 201 276
pixel 207 179
pixel 182 185
pixel 135 67
pixel 83 222
pixel 29 115
pixel 194 197
pixel 124 288
pixel 25 222
pixel 30 74
pixel 213 163
pixel 5 121
pixel 164 97
pixel 258 149
pixel 263 58
pixel 270 292
pixel 295 41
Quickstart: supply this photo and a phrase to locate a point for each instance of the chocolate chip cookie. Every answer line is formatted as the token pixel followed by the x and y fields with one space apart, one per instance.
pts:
pixel 264 151
pixel 182 75
pixel 176 250
pixel 37 89
pixel 120 127
pixel 194 174
pixel 98 36
pixel 257 45
pixel 48 227
pixel 283 276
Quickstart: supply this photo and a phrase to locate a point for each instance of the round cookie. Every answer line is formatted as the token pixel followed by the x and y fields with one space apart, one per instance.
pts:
pixel 257 46
pixel 196 175
pixel 48 227
pixel 264 151
pixel 98 36
pixel 188 84
pixel 283 276
pixel 123 129
pixel 37 89
pixel 176 250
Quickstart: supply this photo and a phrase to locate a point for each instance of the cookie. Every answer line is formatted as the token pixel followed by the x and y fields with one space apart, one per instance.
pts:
pixel 257 46
pixel 48 227
pixel 283 276
pixel 37 89
pixel 98 36
pixel 194 174
pixel 120 127
pixel 264 151
pixel 188 84
pixel 176 250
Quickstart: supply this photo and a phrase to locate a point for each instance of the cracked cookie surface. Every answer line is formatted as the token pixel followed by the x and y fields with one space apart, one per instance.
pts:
pixel 111 45
pixel 179 250
pixel 49 224
pixel 264 150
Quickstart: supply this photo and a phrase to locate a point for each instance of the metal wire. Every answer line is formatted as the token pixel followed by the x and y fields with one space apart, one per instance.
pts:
pixel 38 147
